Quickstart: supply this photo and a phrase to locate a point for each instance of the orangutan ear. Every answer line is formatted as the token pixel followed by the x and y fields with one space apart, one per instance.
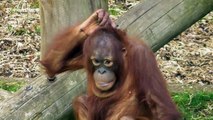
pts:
pixel 124 51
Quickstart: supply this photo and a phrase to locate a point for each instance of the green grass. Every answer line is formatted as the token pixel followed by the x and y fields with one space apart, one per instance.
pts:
pixel 195 106
pixel 11 86
pixel 116 10
pixel 34 4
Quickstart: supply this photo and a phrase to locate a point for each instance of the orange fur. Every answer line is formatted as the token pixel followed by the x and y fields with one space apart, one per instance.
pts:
pixel 141 92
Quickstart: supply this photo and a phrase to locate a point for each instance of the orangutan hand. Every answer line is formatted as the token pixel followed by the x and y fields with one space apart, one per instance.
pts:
pixel 97 19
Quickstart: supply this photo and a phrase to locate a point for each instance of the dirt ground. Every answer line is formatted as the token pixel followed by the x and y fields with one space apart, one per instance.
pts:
pixel 186 59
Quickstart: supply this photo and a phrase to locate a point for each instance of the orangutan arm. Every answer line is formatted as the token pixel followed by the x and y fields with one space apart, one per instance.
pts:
pixel 65 52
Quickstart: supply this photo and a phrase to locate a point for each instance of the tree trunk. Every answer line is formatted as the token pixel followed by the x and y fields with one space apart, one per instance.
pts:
pixel 59 14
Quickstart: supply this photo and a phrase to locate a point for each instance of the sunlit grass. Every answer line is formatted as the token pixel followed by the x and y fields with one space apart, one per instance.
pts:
pixel 195 106
pixel 11 86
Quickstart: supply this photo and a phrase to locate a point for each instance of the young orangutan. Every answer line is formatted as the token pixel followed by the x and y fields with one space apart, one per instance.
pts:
pixel 124 82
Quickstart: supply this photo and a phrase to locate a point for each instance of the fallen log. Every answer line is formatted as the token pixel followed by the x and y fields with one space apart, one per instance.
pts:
pixel 158 21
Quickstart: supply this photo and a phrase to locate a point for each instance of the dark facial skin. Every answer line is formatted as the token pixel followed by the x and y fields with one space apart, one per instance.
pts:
pixel 104 76
pixel 102 61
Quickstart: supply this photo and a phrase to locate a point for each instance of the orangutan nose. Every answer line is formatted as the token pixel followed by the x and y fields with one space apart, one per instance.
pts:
pixel 101 70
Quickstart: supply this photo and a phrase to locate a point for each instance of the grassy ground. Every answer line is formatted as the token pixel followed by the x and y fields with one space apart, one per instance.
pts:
pixel 195 106
pixel 11 85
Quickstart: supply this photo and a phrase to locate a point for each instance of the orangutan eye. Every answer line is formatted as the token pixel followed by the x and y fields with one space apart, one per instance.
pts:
pixel 96 62
pixel 108 63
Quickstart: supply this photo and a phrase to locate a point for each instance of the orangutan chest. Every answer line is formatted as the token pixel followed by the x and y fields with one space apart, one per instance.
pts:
pixel 126 108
